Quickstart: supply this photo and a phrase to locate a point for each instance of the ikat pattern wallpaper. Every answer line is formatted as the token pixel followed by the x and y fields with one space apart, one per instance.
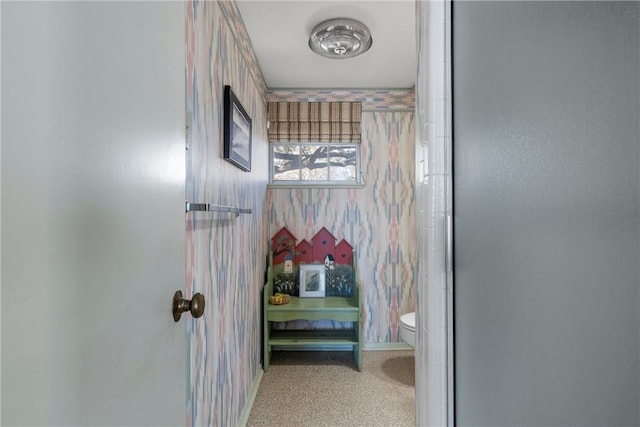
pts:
pixel 225 254
pixel 372 99
pixel 378 220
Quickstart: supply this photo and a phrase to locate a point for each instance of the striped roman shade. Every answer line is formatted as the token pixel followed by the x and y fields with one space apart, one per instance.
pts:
pixel 314 121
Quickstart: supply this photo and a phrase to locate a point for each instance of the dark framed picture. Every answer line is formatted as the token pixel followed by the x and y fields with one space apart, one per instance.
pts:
pixel 237 131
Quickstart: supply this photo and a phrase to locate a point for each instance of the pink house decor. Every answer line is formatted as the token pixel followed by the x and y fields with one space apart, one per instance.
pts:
pixel 344 253
pixel 304 253
pixel 322 250
pixel 323 244
pixel 283 246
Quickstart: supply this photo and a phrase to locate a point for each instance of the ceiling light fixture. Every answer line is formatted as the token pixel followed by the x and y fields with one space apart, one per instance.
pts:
pixel 340 38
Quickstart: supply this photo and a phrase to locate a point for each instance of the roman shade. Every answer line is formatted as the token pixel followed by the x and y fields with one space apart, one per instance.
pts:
pixel 314 121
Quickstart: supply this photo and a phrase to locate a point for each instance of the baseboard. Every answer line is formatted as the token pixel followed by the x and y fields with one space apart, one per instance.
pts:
pixel 372 346
pixel 244 417
pixel 382 346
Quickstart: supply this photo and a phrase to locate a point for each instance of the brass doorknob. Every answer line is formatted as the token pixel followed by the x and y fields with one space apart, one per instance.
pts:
pixel 180 305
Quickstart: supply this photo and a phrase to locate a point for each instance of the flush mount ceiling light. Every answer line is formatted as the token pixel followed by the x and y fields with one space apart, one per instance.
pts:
pixel 340 38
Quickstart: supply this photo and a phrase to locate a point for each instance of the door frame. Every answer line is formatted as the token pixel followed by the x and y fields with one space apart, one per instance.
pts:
pixel 434 306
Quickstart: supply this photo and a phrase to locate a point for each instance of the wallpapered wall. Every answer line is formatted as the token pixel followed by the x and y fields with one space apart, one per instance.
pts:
pixel 378 220
pixel 225 254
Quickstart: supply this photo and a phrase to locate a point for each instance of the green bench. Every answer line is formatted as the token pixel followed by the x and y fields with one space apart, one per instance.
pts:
pixel 338 308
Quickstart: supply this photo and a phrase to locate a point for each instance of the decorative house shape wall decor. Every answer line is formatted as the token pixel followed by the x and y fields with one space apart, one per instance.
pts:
pixel 283 246
pixel 322 250
pixel 323 244
pixel 344 253
pixel 304 253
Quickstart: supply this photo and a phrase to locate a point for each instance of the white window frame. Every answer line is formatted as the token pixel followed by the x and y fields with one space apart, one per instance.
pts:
pixel 300 183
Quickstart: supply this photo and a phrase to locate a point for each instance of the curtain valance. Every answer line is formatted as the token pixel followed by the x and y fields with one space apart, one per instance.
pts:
pixel 314 121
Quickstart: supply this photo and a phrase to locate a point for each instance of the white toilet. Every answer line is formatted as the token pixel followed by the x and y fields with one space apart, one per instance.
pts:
pixel 408 328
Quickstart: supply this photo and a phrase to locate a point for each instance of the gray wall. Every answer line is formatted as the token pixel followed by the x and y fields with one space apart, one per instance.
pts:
pixel 546 186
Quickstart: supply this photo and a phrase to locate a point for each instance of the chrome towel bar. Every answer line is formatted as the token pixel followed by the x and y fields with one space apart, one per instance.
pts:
pixel 207 207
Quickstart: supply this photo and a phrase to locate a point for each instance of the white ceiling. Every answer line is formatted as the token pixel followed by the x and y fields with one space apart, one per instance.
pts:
pixel 279 31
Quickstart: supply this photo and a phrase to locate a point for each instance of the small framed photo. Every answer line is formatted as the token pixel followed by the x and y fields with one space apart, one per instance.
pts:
pixel 312 280
pixel 237 131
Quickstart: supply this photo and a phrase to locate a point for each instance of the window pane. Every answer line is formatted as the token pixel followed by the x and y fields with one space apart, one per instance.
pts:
pixel 314 163
pixel 286 163
pixel 342 163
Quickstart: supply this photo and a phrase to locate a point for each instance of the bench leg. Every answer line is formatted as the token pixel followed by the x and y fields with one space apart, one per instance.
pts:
pixel 267 357
pixel 357 349
pixel 266 349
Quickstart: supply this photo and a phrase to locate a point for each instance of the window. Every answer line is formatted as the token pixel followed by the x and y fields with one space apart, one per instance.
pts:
pixel 314 143
pixel 319 164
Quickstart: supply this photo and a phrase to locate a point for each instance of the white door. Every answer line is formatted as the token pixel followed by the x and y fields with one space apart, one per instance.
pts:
pixel 93 176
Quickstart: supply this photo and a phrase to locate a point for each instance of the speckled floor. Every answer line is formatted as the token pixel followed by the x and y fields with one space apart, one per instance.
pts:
pixel 325 389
